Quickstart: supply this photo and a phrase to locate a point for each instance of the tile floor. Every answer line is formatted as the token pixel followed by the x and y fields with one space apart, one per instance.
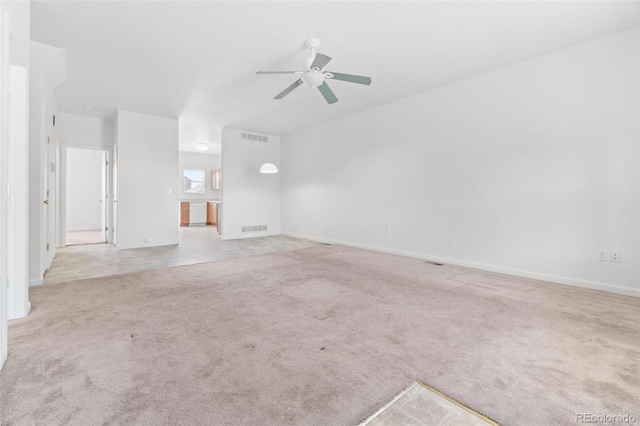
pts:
pixel 198 244
pixel 420 406
pixel 84 237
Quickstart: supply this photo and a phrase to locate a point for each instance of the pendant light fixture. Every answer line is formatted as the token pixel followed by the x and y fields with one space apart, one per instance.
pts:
pixel 202 146
pixel 268 168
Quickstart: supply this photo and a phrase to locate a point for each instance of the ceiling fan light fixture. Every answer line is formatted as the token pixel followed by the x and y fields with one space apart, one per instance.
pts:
pixel 202 146
pixel 268 168
pixel 313 78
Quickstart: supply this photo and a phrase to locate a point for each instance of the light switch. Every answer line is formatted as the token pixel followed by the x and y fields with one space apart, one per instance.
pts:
pixel 603 255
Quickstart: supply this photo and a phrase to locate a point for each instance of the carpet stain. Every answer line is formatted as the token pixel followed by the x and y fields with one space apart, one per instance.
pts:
pixel 394 340
pixel 54 396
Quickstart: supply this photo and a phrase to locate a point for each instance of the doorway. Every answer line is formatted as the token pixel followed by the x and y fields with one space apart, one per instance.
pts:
pixel 86 192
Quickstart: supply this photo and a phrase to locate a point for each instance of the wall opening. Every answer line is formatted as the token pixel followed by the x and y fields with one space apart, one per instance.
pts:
pixel 86 196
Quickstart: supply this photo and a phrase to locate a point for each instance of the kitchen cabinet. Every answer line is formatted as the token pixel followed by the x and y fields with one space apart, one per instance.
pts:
pixel 184 214
pixel 216 184
pixel 212 214
pixel 191 215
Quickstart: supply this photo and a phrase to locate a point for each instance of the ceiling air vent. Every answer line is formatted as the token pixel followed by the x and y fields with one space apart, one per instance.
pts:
pixel 252 137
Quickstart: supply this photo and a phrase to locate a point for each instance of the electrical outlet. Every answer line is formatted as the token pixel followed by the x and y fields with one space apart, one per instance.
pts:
pixel 387 231
pixel 615 256
pixel 603 255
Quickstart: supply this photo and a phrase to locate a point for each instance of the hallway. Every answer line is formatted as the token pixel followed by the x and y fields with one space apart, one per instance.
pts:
pixel 197 245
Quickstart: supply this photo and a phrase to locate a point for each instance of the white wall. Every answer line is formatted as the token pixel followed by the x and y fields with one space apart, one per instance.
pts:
pixel 526 170
pixel 47 72
pixel 80 131
pixel 14 66
pixel 84 189
pixel 249 197
pixel 18 197
pixel 147 204
pixel 76 131
pixel 198 161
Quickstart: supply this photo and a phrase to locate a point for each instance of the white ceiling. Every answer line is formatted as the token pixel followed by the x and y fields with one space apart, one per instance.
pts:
pixel 197 60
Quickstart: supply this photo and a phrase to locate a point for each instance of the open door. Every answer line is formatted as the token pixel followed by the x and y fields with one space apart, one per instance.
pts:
pixel 114 191
pixel 103 197
pixel 45 239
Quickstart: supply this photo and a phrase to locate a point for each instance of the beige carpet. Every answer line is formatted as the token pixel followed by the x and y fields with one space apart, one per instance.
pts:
pixel 320 336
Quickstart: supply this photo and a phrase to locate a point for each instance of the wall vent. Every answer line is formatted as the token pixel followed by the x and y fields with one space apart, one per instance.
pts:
pixel 255 138
pixel 254 228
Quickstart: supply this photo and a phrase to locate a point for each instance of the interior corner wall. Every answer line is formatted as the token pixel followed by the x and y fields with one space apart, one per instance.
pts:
pixel 199 161
pixel 249 198
pixel 148 208
pixel 527 170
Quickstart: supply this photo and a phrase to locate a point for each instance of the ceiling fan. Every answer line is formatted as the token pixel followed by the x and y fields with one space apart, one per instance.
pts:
pixel 315 76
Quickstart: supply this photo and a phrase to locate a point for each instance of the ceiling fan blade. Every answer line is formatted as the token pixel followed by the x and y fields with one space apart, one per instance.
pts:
pixel 280 72
pixel 350 78
pixel 288 90
pixel 320 61
pixel 328 94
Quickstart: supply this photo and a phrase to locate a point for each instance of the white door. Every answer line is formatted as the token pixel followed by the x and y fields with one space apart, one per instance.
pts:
pixel 103 196
pixel 44 218
pixel 114 197
pixel 51 172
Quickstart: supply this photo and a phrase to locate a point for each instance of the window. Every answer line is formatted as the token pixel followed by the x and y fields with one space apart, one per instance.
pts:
pixel 193 181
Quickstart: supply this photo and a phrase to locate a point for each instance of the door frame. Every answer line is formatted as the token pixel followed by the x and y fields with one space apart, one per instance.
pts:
pixel 107 212
pixel 4 181
pixel 113 201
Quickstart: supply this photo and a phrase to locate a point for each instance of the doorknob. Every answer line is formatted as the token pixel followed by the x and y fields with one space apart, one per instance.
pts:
pixel 46 201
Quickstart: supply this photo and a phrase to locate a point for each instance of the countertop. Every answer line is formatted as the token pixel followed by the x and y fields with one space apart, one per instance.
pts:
pixel 200 201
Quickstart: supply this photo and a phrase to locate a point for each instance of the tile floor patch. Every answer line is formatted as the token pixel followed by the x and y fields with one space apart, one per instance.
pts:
pixel 197 245
pixel 420 406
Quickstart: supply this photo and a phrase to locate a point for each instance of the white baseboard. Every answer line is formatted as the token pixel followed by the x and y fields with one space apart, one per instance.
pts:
pixel 83 229
pixel 35 282
pixel 23 313
pixel 594 285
